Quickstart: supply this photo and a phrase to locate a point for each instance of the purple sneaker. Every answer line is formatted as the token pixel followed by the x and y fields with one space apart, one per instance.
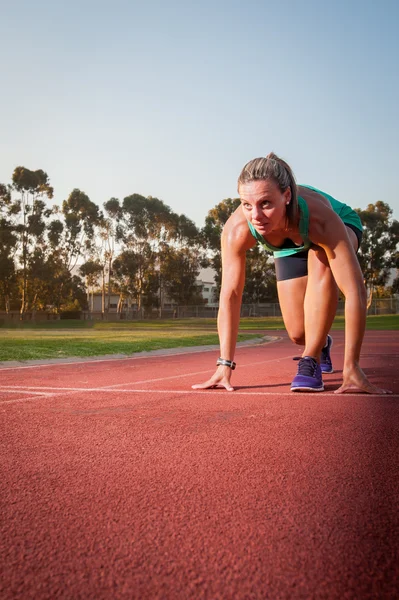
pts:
pixel 325 361
pixel 308 378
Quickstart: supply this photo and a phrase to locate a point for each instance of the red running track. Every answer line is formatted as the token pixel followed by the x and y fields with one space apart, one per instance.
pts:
pixel 119 481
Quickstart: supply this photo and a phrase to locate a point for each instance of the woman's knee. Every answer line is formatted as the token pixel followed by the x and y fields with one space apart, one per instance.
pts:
pixel 298 337
pixel 318 260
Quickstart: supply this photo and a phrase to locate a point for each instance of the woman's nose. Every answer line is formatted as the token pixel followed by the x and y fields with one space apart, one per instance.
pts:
pixel 256 213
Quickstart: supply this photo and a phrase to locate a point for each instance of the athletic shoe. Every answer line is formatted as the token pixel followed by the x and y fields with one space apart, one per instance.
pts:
pixel 325 361
pixel 308 378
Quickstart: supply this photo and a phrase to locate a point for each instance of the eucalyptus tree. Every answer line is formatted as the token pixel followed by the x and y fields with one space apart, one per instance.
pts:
pixel 180 269
pixel 91 270
pixel 81 216
pixel 33 188
pixel 378 252
pixel 145 224
pixel 146 220
pixel 179 263
pixel 8 241
pixel 108 230
pixel 72 236
pixel 43 242
pixel 150 235
pixel 135 277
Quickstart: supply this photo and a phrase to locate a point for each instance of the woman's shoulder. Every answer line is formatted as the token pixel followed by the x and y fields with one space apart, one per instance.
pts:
pixel 322 217
pixel 319 207
pixel 236 232
pixel 313 197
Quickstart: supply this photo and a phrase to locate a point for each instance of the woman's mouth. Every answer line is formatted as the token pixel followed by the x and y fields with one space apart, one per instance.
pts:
pixel 260 225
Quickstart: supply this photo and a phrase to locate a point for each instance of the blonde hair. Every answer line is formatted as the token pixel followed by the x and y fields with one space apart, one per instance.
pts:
pixel 275 168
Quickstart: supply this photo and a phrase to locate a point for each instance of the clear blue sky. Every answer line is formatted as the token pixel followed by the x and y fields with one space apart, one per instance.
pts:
pixel 172 98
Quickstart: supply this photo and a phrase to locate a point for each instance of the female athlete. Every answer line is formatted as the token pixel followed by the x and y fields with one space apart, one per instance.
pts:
pixel 314 239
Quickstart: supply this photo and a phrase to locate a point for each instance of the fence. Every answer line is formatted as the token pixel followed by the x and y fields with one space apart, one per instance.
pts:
pixel 379 306
pixel 14 316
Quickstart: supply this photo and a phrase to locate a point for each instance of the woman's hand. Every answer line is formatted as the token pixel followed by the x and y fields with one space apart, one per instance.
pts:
pixel 221 378
pixel 356 380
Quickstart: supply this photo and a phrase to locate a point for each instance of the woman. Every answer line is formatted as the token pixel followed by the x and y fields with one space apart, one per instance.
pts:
pixel 314 239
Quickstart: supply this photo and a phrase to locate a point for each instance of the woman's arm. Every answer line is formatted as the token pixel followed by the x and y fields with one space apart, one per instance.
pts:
pixel 331 234
pixel 236 240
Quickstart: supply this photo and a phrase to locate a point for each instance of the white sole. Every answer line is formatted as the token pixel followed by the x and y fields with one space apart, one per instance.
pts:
pixel 307 389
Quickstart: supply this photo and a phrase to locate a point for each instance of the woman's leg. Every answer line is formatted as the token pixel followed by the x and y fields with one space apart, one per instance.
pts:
pixel 320 302
pixel 321 298
pixel 291 295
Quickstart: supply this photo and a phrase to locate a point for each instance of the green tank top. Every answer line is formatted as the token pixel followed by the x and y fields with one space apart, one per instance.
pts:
pixel 345 212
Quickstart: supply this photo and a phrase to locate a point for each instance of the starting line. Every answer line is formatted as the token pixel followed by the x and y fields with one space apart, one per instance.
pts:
pixel 45 392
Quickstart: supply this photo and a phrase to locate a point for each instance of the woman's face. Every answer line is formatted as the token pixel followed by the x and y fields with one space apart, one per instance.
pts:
pixel 264 205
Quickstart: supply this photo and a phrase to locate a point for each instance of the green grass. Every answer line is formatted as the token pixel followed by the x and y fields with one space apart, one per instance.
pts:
pixel 61 339
pixel 25 344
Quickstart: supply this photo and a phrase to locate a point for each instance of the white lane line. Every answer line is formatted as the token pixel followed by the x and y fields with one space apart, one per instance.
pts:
pixel 21 391
pixel 64 391
pixel 39 396
pixel 204 392
pixel 118 385
pixel 29 399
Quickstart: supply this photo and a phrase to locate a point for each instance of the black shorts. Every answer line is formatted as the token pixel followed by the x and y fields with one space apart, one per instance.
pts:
pixel 296 265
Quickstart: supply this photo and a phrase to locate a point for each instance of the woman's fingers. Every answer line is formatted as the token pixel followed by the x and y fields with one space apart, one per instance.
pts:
pixel 356 381
pixel 212 384
pixel 368 388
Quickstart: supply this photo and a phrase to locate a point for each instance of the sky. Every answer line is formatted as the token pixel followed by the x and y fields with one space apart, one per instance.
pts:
pixel 171 98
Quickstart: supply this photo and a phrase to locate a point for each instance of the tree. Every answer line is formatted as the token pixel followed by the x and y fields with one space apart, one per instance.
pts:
pixel 146 219
pixel 73 237
pixel 91 270
pixel 33 187
pixel 378 250
pixel 152 233
pixel 179 271
pixel 136 277
pixel 109 233
pixel 77 236
pixel 8 240
pixel 34 243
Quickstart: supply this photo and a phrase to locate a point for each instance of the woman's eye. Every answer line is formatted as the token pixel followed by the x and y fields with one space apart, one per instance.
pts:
pixel 265 204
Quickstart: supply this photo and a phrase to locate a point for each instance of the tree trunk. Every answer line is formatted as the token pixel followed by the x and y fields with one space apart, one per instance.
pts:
pixel 24 251
pixel 109 283
pixel 24 295
pixel 160 297
pixel 103 293
pixel 88 295
pixel 59 299
pixel 370 297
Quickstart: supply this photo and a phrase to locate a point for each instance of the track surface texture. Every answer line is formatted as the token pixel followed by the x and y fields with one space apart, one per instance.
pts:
pixel 120 481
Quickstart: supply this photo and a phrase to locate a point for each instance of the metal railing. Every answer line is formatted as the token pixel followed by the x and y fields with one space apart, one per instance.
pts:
pixel 379 306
